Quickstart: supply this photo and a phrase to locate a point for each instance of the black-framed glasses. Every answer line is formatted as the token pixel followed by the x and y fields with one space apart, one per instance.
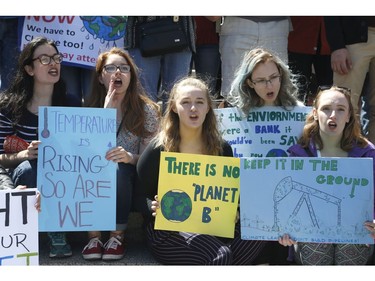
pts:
pixel 46 59
pixel 111 68
pixel 264 82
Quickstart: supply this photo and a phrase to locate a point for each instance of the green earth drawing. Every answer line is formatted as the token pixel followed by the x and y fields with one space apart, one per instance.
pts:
pixel 176 206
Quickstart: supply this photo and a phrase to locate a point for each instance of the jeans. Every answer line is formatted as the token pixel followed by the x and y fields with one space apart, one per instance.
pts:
pixel 25 174
pixel 9 50
pixel 159 73
pixel 125 183
pixel 302 65
pixel 78 82
pixel 207 63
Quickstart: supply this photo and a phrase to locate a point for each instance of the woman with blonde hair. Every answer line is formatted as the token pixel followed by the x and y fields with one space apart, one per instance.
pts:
pixel 189 126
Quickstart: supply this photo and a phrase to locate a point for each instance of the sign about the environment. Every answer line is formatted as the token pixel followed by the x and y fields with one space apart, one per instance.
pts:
pixel 313 199
pixel 79 38
pixel 198 193
pixel 19 240
pixel 265 132
pixel 76 182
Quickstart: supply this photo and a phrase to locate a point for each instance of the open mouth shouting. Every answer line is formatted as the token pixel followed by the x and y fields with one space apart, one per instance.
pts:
pixel 53 72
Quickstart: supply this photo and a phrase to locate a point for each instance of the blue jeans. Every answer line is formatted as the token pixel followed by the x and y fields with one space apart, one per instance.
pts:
pixel 124 188
pixel 25 174
pixel 159 73
pixel 9 50
pixel 78 82
pixel 207 63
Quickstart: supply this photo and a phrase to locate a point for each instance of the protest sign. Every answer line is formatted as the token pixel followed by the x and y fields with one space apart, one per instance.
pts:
pixel 79 38
pixel 19 240
pixel 76 182
pixel 198 193
pixel 266 132
pixel 313 199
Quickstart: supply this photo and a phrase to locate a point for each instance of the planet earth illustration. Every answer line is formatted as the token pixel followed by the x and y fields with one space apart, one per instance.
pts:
pixel 275 152
pixel 176 205
pixel 106 28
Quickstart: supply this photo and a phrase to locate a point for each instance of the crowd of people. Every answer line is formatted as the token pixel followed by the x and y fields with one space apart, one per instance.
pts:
pixel 248 63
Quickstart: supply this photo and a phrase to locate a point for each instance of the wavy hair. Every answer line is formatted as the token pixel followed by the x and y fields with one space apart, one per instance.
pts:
pixel 244 97
pixel 20 91
pixel 135 98
pixel 352 132
pixel 169 137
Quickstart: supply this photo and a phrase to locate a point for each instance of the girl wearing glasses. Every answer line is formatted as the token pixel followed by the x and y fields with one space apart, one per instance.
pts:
pixel 332 130
pixel 37 83
pixel 263 79
pixel 116 85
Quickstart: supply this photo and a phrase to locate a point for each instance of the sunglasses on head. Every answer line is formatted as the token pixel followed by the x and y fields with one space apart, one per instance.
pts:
pixel 333 87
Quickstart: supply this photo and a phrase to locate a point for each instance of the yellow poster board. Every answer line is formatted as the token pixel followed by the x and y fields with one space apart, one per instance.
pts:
pixel 198 193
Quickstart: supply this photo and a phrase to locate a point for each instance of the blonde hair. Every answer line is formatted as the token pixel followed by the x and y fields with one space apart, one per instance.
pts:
pixel 244 97
pixel 169 136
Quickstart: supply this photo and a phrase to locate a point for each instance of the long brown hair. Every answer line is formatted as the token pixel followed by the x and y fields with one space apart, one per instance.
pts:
pixel 135 98
pixel 20 91
pixel 352 132
pixel 169 136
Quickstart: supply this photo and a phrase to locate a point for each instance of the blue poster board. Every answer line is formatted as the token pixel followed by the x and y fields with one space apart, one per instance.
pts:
pixel 325 200
pixel 76 182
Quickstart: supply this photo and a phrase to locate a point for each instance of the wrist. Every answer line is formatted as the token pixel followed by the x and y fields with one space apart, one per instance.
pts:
pixel 131 161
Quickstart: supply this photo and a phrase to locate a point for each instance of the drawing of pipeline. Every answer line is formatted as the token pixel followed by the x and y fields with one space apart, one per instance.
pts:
pixel 286 185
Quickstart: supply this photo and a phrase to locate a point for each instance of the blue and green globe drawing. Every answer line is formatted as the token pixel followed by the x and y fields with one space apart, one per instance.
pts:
pixel 275 152
pixel 105 28
pixel 176 206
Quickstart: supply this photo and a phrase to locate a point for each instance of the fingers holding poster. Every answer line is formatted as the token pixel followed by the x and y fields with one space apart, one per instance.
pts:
pixel 79 39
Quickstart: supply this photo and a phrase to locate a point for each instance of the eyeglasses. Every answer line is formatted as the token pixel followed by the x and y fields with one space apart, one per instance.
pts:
pixel 111 68
pixel 46 59
pixel 264 82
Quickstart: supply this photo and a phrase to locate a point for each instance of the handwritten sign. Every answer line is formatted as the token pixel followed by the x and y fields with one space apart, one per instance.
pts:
pixel 323 200
pixel 198 193
pixel 266 132
pixel 79 38
pixel 18 227
pixel 76 182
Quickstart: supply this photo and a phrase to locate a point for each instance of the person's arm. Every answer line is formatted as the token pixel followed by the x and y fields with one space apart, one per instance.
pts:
pixel 12 160
pixel 148 172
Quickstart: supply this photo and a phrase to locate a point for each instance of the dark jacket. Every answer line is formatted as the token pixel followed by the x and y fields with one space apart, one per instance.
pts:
pixel 342 31
pixel 6 182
